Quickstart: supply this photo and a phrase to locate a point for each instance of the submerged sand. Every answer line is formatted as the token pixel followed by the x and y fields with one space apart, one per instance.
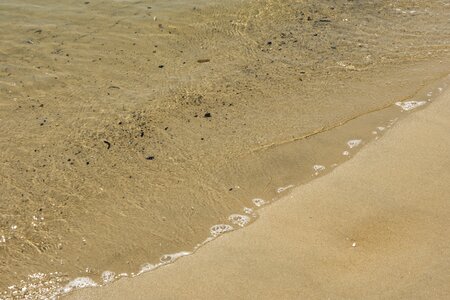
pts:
pixel 376 227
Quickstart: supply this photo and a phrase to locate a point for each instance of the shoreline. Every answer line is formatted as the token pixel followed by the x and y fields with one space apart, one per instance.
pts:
pixel 130 129
pixel 349 240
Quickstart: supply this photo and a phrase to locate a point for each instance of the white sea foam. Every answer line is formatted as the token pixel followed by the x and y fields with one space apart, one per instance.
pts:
pixel 170 258
pixel 79 283
pixel 259 202
pixel 381 128
pixel 283 188
pixel 108 276
pixel 410 105
pixel 318 168
pixel 147 268
pixel 219 229
pixel 248 210
pixel 240 220
pixel 353 143
pixel 346 153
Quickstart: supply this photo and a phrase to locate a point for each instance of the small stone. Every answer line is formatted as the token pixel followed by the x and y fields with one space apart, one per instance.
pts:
pixel 207 115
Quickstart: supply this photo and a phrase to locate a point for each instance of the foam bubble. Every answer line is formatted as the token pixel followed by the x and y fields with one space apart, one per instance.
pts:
pixel 381 128
pixel 147 268
pixel 259 202
pixel 79 283
pixel 240 220
pixel 219 229
pixel 169 258
pixel 283 188
pixel 318 168
pixel 410 105
pixel 248 210
pixel 346 153
pixel 108 276
pixel 353 143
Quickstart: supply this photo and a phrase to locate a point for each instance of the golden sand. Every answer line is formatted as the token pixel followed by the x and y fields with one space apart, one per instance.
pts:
pixel 128 129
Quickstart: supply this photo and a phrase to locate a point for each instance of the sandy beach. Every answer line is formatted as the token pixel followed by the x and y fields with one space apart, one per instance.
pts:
pixel 374 228
pixel 133 130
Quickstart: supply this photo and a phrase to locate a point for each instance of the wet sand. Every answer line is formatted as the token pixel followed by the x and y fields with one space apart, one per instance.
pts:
pixel 375 227
pixel 128 129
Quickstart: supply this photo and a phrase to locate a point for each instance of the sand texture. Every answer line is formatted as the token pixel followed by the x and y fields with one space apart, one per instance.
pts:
pixel 129 128
pixel 376 227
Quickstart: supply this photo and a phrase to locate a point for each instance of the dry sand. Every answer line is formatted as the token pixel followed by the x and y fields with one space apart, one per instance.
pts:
pixel 376 227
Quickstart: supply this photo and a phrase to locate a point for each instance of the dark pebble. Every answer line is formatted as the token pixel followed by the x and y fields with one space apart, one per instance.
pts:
pixel 108 144
pixel 207 115
pixel 151 157
pixel 161 66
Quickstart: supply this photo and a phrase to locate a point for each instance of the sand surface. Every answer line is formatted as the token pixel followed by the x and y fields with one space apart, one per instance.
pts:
pixel 129 128
pixel 376 227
